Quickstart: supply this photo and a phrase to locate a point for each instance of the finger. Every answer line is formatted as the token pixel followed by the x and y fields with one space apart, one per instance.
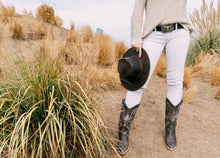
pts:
pixel 134 48
pixel 140 52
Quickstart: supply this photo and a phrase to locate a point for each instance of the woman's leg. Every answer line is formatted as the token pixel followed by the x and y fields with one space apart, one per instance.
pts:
pixel 153 45
pixel 176 51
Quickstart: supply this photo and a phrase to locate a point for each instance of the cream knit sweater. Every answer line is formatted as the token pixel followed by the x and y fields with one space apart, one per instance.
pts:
pixel 157 12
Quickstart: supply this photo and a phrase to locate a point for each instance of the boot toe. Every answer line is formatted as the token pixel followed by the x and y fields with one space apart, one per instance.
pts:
pixel 122 148
pixel 170 145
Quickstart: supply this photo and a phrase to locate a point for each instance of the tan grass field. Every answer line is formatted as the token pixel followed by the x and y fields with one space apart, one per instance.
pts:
pixel 93 59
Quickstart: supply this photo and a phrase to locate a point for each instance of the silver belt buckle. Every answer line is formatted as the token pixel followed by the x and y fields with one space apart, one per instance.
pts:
pixel 167 28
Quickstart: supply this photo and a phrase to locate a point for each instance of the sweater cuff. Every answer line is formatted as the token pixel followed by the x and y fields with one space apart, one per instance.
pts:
pixel 136 41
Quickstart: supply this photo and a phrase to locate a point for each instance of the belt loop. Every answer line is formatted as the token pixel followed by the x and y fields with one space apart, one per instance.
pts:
pixel 176 27
pixel 155 30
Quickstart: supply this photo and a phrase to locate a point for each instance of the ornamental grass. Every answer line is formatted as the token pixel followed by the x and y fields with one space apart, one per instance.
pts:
pixel 44 112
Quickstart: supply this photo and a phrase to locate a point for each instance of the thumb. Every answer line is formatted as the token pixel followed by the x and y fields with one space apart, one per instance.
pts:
pixel 140 52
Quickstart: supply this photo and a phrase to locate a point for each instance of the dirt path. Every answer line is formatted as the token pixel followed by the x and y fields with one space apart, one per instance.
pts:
pixel 198 129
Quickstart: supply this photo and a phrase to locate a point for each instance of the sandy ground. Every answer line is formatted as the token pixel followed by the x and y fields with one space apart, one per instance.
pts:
pixel 198 126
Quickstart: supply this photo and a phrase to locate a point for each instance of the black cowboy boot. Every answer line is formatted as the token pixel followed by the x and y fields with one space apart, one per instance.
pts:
pixel 127 115
pixel 170 124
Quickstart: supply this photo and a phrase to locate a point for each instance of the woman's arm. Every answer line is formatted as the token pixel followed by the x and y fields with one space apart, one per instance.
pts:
pixel 137 22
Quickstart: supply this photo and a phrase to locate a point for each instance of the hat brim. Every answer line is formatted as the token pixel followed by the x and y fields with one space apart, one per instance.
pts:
pixel 131 84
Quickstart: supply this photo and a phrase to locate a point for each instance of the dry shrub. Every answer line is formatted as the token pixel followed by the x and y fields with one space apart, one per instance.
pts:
pixel 189 95
pixel 101 79
pixel 87 34
pixel 69 55
pixel 6 13
pixel 81 52
pixel 78 53
pixel 187 76
pixel 110 79
pixel 81 35
pixel 105 50
pixel 72 27
pixel 72 37
pixel 161 66
pixel 215 75
pixel 114 67
pixel 39 31
pixel 17 31
pixel 204 66
pixel 199 58
pixel 58 21
pixel 46 14
pixel 29 14
pixel 120 49
pixel 218 94
pixel 11 11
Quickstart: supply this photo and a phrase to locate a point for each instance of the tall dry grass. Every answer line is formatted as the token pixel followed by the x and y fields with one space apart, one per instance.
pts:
pixel 45 112
pixel 207 33
pixel 120 49
pixel 215 76
pixel 92 56
pixel 187 77
pixel 87 35
pixel 207 18
pixel 161 66
pixel 16 31
pixel 105 50
pixel 58 21
pixel 205 64
pixel 39 31
pixel 6 13
pixel 190 94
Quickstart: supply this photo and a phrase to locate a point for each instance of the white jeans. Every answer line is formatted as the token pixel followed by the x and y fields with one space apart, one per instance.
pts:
pixel 176 43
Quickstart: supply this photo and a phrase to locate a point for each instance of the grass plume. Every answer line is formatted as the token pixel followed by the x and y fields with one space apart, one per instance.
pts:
pixel 215 75
pixel 206 36
pixel 189 95
pixel 187 77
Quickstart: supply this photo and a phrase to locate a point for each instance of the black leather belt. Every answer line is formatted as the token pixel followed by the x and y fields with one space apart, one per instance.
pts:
pixel 168 27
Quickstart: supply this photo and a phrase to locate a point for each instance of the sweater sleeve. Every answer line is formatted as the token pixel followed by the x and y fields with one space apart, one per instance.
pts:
pixel 137 21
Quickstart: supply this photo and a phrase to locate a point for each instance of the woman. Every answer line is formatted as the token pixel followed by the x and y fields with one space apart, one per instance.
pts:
pixel 165 26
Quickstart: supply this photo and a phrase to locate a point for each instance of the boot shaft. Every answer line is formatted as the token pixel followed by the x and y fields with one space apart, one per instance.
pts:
pixel 171 113
pixel 170 124
pixel 127 115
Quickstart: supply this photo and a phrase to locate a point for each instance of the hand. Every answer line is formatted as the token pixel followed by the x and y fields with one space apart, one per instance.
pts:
pixel 137 48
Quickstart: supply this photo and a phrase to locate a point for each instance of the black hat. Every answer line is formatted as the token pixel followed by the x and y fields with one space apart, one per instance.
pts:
pixel 133 71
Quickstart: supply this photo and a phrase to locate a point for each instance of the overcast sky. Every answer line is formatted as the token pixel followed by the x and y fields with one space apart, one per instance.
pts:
pixel 113 16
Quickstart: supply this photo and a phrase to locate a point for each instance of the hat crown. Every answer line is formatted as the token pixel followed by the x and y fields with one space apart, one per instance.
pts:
pixel 129 66
pixel 133 71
